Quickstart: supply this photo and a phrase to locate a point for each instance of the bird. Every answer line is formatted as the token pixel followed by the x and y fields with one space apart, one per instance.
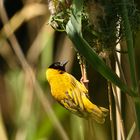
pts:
pixel 72 94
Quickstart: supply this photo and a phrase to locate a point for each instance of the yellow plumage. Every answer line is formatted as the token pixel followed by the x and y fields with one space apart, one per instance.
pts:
pixel 72 94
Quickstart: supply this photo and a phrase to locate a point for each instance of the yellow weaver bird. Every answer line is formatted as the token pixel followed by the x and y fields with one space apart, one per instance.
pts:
pixel 72 94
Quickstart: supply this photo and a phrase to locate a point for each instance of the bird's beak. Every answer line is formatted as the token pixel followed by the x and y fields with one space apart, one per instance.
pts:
pixel 64 63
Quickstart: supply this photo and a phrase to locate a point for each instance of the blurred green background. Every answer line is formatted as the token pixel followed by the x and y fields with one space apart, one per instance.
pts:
pixel 28 45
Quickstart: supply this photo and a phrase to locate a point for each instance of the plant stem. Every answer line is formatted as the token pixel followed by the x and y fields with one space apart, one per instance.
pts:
pixel 111 112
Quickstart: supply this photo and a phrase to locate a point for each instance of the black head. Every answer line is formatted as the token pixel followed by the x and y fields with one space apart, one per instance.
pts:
pixel 59 65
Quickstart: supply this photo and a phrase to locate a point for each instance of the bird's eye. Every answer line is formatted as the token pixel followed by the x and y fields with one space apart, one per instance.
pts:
pixel 61 72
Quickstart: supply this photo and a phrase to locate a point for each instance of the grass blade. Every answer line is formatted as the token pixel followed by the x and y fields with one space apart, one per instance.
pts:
pixel 84 48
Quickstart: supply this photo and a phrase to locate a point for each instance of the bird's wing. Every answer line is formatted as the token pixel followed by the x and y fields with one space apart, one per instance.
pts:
pixel 74 92
pixel 78 102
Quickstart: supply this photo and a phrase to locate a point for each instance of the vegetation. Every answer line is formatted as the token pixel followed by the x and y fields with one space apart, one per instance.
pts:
pixel 100 37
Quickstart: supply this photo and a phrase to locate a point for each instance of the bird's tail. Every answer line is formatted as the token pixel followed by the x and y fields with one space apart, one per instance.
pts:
pixel 104 110
pixel 97 113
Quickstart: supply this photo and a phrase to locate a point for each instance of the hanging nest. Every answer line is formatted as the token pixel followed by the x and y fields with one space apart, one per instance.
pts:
pixel 102 21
